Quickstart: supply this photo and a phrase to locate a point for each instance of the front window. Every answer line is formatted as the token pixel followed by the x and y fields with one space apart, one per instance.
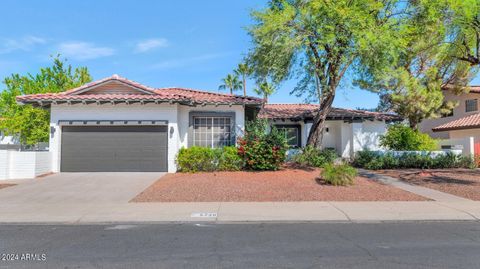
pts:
pixel 212 132
pixel 471 105
pixel 292 133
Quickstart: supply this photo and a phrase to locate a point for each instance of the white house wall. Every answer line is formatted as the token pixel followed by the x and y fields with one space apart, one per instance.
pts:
pixel 8 140
pixel 346 138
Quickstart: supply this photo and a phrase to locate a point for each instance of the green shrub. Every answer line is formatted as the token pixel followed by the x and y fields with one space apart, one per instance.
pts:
pixel 311 156
pixel 363 158
pixel 262 149
pixel 339 175
pixel 229 160
pixel 402 137
pixel 195 159
pixel 375 161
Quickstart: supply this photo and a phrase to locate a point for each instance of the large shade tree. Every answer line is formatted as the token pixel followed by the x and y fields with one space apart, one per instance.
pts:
pixel 319 42
pixel 31 124
pixel 423 66
pixel 463 29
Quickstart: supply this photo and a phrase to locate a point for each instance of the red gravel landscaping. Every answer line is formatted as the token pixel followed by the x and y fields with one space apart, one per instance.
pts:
pixel 288 184
pixel 6 185
pixel 460 182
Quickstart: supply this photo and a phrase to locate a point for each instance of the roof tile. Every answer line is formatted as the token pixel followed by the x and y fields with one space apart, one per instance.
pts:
pixel 303 111
pixel 162 94
pixel 467 122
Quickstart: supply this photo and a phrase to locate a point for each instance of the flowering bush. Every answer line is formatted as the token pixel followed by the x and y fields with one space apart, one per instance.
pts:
pixel 262 149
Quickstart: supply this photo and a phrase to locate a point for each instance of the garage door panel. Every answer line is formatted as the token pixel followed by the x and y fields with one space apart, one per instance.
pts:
pixel 114 148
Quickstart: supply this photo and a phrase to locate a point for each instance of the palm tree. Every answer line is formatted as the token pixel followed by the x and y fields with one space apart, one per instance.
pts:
pixel 265 89
pixel 244 71
pixel 231 82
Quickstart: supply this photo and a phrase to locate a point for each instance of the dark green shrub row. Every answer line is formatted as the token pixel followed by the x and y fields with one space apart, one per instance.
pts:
pixel 311 156
pixel 339 175
pixel 261 148
pixel 198 159
pixel 374 161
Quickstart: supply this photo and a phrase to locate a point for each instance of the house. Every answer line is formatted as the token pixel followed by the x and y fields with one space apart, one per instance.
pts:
pixel 464 121
pixel 116 124
pixel 346 131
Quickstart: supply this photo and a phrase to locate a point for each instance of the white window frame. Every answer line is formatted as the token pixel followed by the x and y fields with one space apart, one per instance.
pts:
pixel 210 120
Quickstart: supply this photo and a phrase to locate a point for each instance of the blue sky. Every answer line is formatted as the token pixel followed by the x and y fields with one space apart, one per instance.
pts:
pixel 158 43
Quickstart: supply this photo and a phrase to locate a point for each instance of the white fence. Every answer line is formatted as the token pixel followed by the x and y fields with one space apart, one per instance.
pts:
pixel 433 154
pixel 24 164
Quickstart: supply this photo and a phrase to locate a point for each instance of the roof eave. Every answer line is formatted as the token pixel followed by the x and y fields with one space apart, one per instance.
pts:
pixel 436 130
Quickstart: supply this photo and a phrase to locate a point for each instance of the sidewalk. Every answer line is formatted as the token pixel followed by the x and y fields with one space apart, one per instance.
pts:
pixel 48 201
pixel 240 212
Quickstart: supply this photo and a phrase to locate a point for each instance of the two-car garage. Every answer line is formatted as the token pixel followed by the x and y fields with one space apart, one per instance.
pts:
pixel 114 149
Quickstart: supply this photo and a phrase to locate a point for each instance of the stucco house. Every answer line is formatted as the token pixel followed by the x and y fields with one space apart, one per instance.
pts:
pixel 462 122
pixel 462 125
pixel 346 131
pixel 116 124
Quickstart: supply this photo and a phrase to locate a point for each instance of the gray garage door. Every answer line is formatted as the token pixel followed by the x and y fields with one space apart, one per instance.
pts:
pixel 114 149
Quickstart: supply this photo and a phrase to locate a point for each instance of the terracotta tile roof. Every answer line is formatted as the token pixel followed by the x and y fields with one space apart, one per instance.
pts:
pixel 468 122
pixel 200 96
pixel 180 95
pixel 475 89
pixel 307 111
pixel 472 88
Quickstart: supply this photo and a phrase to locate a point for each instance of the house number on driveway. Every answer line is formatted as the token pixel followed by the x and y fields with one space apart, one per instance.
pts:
pixel 203 215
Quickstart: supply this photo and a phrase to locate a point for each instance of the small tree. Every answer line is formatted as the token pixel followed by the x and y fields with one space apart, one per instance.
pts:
pixel 401 137
pixel 244 71
pixel 30 123
pixel 232 83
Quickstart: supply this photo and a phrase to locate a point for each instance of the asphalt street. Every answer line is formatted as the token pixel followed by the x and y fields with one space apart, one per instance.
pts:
pixel 202 245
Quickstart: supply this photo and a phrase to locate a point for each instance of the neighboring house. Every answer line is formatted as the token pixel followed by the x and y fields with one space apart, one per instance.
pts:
pixel 346 131
pixel 115 124
pixel 464 121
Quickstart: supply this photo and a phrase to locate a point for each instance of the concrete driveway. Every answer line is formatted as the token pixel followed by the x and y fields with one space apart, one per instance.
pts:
pixel 79 188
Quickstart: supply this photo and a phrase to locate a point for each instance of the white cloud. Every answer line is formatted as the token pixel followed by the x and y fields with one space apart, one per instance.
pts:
pixel 25 43
pixel 83 50
pixel 184 62
pixel 150 44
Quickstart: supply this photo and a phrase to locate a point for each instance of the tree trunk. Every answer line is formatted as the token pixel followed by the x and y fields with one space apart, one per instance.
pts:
pixel 231 91
pixel 315 136
pixel 244 86
pixel 413 124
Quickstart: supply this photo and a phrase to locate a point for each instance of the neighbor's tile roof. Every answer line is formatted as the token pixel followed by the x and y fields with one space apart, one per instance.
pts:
pixel 467 122
pixel 180 95
pixel 475 89
pixel 304 111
